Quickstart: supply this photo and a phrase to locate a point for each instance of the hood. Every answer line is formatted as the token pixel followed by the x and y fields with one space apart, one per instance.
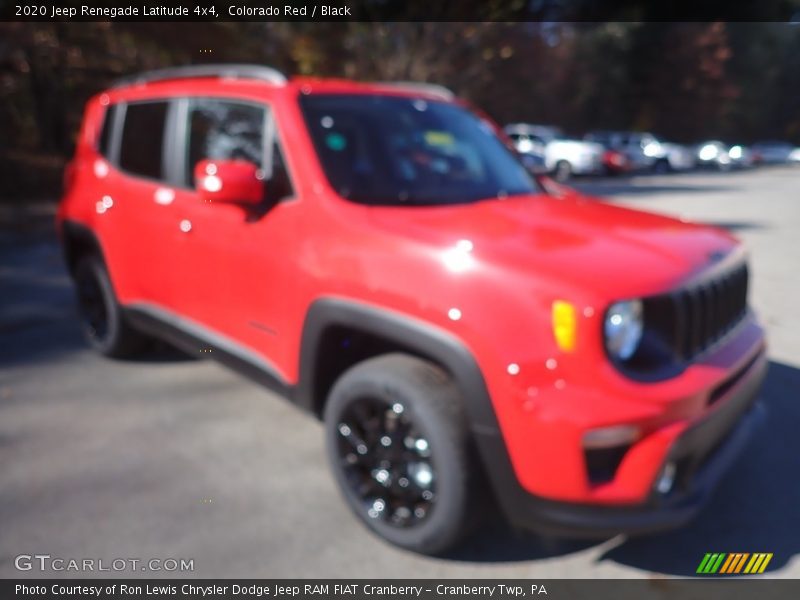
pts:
pixel 582 242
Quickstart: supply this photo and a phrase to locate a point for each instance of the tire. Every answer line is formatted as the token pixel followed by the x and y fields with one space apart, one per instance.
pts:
pixel 386 398
pixel 562 171
pixel 103 321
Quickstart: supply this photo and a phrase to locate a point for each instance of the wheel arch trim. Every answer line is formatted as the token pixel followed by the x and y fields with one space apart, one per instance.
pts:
pixel 438 345
pixel 72 232
pixel 419 336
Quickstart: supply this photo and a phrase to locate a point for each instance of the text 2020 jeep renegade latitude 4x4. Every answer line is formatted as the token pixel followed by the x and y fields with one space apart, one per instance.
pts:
pixel 377 254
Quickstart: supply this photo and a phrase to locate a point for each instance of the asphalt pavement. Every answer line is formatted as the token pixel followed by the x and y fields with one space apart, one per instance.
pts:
pixel 170 457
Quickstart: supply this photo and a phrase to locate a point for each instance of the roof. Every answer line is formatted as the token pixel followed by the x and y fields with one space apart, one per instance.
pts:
pixel 259 74
pixel 221 71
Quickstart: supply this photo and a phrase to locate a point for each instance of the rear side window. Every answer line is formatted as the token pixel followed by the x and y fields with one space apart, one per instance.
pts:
pixel 142 149
pixel 104 144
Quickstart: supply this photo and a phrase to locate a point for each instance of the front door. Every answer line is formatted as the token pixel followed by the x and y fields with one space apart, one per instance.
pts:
pixel 232 273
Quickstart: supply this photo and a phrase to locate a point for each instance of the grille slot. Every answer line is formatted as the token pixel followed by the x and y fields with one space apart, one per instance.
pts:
pixel 700 314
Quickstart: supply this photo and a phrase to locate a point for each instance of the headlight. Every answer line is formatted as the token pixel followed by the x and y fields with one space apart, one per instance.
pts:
pixel 623 328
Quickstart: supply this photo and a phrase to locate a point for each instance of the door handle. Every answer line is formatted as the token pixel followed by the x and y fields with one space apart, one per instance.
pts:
pixel 185 225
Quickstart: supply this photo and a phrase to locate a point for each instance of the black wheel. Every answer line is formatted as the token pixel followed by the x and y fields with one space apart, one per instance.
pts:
pixel 104 324
pixel 563 171
pixel 399 448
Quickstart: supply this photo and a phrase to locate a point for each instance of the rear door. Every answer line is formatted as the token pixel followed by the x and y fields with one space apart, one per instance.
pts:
pixel 134 223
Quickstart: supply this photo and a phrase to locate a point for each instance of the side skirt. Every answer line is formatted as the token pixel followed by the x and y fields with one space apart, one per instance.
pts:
pixel 192 337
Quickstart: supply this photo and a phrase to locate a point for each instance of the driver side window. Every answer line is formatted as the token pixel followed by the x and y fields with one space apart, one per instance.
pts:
pixel 230 130
pixel 224 130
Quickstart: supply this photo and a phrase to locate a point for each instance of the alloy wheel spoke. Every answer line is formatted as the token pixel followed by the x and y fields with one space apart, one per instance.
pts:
pixel 358 444
pixel 387 462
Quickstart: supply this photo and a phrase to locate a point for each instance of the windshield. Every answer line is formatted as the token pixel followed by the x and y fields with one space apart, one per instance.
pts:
pixel 397 150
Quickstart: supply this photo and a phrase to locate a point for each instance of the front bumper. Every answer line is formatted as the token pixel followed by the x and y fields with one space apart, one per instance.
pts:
pixel 702 453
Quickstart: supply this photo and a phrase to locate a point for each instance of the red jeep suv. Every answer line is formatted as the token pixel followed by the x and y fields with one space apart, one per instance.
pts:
pixel 377 254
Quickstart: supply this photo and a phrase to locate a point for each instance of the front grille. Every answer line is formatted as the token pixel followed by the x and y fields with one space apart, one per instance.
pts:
pixel 689 320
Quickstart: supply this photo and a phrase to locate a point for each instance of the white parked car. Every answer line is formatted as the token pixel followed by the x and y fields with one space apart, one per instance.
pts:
pixel 563 157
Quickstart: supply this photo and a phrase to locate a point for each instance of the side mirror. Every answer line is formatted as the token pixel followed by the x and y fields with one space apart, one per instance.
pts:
pixel 230 181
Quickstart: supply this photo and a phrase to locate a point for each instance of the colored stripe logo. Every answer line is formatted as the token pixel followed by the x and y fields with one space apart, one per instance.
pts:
pixel 734 563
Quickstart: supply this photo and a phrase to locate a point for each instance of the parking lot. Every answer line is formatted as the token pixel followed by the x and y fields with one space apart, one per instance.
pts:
pixel 170 457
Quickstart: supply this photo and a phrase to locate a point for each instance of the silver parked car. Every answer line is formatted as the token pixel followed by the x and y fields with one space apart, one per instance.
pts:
pixel 645 151
pixel 563 157
pixel 721 156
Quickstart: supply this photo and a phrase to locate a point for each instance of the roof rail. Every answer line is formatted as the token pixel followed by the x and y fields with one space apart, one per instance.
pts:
pixel 222 71
pixel 433 89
